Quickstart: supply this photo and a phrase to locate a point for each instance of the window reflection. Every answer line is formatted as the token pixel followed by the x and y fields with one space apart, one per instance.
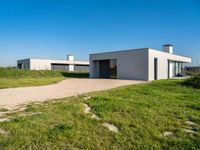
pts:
pixel 177 68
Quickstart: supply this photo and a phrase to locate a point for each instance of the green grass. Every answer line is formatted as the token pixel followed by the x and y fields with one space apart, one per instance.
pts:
pixel 17 73
pixel 10 83
pixel 10 77
pixel 141 112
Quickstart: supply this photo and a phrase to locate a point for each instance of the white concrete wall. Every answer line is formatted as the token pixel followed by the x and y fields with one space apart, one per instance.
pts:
pixel 131 64
pixel 45 64
pixel 163 58
pixel 39 64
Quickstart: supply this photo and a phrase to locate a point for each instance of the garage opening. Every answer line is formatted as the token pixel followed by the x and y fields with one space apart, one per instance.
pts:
pixel 19 66
pixel 108 69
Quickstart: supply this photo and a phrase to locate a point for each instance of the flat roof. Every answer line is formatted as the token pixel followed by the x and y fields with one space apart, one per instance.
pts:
pixel 59 61
pixel 119 51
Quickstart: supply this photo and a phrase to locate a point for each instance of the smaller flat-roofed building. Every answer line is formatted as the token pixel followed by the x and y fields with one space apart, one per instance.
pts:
pixel 45 64
pixel 138 64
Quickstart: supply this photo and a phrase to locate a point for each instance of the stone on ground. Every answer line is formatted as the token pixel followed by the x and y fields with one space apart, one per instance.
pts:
pixel 167 133
pixel 111 127
pixel 4 119
pixel 4 113
pixel 190 123
pixel 30 114
pixel 86 108
pixel 95 117
pixel 87 98
pixel 3 132
pixel 188 131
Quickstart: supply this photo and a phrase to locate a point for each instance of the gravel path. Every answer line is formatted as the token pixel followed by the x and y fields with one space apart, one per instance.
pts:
pixel 10 98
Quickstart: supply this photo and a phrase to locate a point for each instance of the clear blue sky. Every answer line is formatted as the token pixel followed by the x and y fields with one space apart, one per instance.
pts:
pixel 53 28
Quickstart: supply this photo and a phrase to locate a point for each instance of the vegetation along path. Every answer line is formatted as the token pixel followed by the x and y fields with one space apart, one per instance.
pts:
pixel 13 97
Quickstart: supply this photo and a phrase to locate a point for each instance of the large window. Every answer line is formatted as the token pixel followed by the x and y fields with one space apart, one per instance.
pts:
pixel 64 67
pixel 177 68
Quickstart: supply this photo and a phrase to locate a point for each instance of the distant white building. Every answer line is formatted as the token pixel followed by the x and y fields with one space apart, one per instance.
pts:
pixel 44 64
pixel 139 64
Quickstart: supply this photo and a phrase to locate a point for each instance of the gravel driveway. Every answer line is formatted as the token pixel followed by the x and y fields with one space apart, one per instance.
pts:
pixel 10 98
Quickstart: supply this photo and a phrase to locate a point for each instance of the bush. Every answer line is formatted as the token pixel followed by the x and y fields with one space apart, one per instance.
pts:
pixel 18 74
pixel 193 81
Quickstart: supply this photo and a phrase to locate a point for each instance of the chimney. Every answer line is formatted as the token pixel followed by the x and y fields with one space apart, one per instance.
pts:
pixel 70 57
pixel 168 48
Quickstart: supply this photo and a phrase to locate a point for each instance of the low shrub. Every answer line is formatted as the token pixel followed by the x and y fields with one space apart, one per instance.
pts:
pixel 18 74
pixel 193 81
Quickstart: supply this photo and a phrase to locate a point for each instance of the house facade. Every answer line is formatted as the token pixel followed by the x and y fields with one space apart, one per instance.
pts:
pixel 138 64
pixel 44 64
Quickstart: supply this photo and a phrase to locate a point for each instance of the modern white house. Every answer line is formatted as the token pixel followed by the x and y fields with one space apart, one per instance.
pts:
pixel 44 64
pixel 137 64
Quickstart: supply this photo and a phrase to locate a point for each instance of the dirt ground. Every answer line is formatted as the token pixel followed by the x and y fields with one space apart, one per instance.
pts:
pixel 10 98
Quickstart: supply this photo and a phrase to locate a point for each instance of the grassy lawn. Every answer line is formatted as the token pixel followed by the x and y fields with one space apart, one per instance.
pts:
pixel 21 78
pixel 10 83
pixel 142 114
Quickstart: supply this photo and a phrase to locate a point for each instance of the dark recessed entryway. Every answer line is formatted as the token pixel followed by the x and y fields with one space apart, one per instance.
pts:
pixel 155 69
pixel 108 69
pixel 104 68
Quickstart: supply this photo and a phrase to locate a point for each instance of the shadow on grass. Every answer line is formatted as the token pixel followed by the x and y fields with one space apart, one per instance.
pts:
pixel 193 82
pixel 75 74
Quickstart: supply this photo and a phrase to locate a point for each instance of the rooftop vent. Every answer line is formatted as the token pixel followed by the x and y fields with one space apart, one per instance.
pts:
pixel 70 57
pixel 168 48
